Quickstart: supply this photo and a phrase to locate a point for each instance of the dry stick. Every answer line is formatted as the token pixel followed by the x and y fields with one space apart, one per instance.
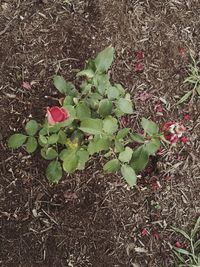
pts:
pixel 7 26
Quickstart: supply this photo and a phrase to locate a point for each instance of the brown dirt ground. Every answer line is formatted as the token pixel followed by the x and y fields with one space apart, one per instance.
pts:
pixel 102 226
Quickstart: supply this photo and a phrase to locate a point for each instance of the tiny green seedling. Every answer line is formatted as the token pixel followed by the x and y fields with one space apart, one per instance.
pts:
pixel 194 80
pixel 189 257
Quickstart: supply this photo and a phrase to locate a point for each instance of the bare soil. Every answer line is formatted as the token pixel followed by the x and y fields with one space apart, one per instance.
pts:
pixel 92 219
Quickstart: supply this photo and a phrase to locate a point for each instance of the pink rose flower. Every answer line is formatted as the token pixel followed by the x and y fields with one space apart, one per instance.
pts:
pixel 184 140
pixel 178 244
pixel 187 117
pixel 56 115
pixel 139 55
pixel 139 66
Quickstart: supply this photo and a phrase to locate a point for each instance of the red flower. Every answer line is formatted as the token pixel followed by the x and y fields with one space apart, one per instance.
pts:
pixel 139 66
pixel 178 244
pixel 56 115
pixel 184 140
pixel 187 117
pixel 145 232
pixel 139 55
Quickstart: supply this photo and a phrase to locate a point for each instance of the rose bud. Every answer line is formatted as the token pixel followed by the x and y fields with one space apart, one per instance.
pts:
pixel 56 115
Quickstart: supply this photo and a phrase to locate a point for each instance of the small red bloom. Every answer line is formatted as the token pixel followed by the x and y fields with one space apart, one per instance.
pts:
pixel 139 55
pixel 184 140
pixel 145 232
pixel 178 244
pixel 179 157
pixel 56 115
pixel 139 66
pixel 187 117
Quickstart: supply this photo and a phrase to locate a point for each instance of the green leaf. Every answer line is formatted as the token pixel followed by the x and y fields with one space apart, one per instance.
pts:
pixel 49 153
pixel 126 155
pixel 113 93
pixel 16 140
pixel 54 172
pixel 182 233
pixel 119 146
pixel 118 112
pixel 101 82
pixel 31 144
pixel 31 127
pixel 53 139
pixel 178 255
pixel 44 130
pixel 184 98
pixel 197 244
pixel 88 73
pixel 68 101
pixel 83 157
pixel 96 96
pixel 111 166
pixel 137 138
pixel 42 140
pixel 104 59
pixel 70 162
pixel 139 159
pixel 149 126
pixel 122 133
pixel 62 137
pixel 196 228
pixel 198 89
pixel 129 175
pixel 120 89
pixel 183 251
pixel 93 103
pixel 63 154
pixel 99 144
pixel 60 84
pixel 125 105
pixel 105 107
pixel 152 146
pixel 66 88
pixel 110 125
pixel 83 112
pixel 92 126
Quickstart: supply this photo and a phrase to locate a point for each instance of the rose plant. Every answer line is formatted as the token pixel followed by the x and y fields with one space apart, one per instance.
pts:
pixel 87 123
